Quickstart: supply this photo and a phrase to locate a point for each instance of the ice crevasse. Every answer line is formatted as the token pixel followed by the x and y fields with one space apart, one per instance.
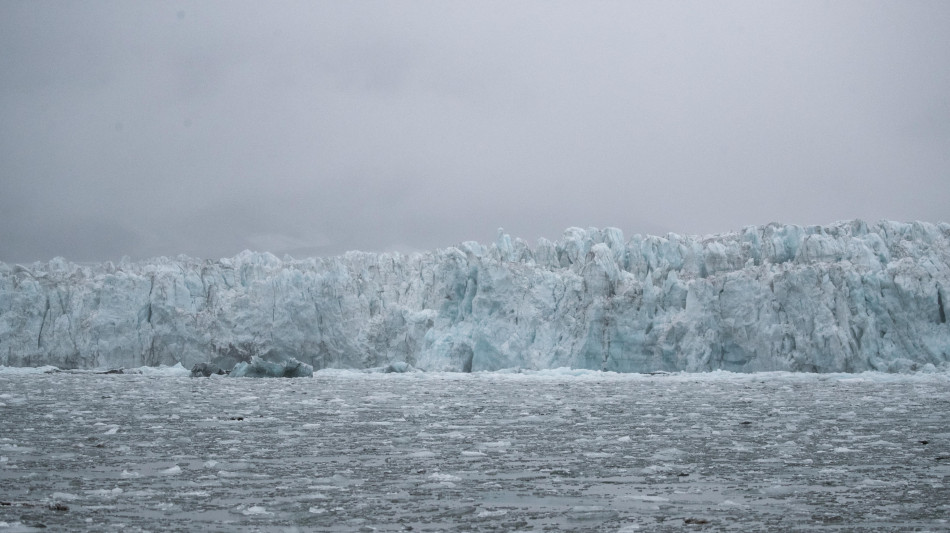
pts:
pixel 845 297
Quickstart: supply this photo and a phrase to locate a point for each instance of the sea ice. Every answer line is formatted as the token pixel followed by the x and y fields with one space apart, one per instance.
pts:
pixel 740 452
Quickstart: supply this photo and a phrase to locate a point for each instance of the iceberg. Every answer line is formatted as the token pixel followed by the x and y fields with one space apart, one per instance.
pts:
pixel 261 368
pixel 845 297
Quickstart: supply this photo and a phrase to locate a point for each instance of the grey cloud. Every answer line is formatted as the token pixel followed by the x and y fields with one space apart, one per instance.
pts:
pixel 316 127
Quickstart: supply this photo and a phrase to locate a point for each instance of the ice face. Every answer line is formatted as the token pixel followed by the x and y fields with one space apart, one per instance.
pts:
pixel 844 297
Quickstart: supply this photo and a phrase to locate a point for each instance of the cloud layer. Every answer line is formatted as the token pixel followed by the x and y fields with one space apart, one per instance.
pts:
pixel 205 128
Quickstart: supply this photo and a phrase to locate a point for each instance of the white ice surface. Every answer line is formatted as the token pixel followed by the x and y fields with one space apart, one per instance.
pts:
pixel 176 370
pixel 45 369
pixel 847 297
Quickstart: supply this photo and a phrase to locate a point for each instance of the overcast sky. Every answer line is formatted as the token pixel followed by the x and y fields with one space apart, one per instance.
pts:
pixel 204 128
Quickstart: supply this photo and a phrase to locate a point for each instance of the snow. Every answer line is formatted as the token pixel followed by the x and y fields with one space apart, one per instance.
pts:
pixel 847 297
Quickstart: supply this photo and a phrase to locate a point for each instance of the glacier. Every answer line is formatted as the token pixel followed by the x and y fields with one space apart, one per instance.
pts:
pixel 843 297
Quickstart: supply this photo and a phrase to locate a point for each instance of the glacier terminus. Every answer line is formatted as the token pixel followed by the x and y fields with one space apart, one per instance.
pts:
pixel 845 297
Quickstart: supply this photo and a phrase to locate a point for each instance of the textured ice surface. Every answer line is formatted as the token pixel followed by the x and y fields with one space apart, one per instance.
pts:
pixel 550 450
pixel 845 297
pixel 259 368
pixel 175 370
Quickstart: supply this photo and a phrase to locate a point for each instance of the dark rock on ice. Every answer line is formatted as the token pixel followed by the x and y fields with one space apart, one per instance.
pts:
pixel 203 370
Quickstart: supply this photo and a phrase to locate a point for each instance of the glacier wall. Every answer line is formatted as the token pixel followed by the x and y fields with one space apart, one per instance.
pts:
pixel 844 297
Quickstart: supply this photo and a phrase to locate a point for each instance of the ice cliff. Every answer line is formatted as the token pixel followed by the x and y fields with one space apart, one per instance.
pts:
pixel 843 297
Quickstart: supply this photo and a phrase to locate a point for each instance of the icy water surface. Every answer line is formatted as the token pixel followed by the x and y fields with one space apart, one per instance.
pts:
pixel 483 452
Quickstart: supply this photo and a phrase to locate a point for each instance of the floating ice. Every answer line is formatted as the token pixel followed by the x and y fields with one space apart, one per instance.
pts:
pixel 253 510
pixel 45 369
pixel 177 370
pixel 259 368
pixel 444 477
pixel 687 457
pixel 105 493
pixel 847 297
pixel 398 367
pixel 171 471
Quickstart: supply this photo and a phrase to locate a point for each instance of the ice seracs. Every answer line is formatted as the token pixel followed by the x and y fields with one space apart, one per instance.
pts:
pixel 844 297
